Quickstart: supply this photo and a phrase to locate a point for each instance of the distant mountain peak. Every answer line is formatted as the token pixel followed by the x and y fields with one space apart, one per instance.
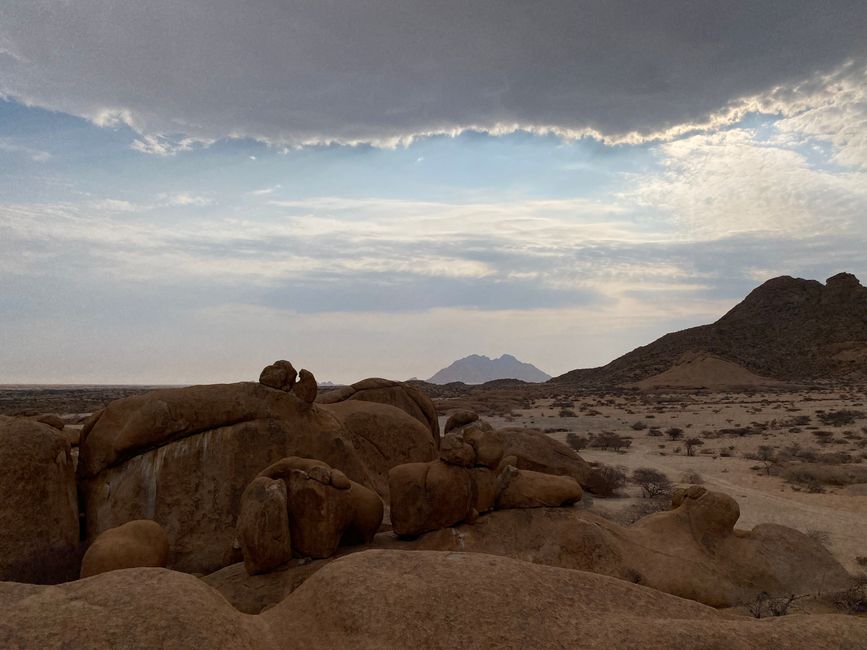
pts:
pixel 478 369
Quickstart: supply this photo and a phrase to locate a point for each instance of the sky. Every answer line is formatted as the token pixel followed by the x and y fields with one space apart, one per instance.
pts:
pixel 190 191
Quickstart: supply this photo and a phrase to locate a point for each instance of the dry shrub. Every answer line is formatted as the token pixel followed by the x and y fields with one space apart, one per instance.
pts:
pixel 807 474
pixel 652 482
pixel 692 477
pixel 606 481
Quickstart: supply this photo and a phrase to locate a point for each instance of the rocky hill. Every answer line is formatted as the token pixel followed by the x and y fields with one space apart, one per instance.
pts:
pixel 786 329
pixel 478 369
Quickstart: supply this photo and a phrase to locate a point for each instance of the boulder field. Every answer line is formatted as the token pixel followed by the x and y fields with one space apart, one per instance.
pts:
pixel 344 520
pixel 183 457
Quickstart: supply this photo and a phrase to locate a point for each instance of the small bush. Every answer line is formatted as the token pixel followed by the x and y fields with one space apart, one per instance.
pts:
pixel 840 418
pixel 642 509
pixel 609 440
pixel 674 433
pixel 576 442
pixel 567 413
pixel 639 426
pixel 691 477
pixel 854 599
pixel 606 481
pixel 652 482
pixel 691 444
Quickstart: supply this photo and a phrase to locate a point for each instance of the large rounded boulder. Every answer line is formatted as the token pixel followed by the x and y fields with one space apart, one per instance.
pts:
pixel 394 393
pixel 39 536
pixel 139 543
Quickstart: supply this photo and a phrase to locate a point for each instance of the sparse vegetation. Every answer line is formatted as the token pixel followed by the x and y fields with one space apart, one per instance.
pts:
pixel 692 477
pixel 674 433
pixel 576 442
pixel 606 481
pixel 691 444
pixel 652 482
pixel 839 418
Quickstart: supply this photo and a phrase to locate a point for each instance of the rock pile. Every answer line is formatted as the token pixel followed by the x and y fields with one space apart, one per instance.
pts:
pixel 475 473
pixel 162 454
pixel 303 507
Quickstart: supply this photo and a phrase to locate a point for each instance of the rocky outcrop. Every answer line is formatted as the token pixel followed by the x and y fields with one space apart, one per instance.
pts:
pixel 133 608
pixel 263 526
pixel 39 537
pixel 538 452
pixel 164 454
pixel 389 599
pixel 139 543
pixel 691 551
pixel 280 375
pixel 392 599
pixel 522 488
pixel 394 393
pixel 324 509
pixel 428 496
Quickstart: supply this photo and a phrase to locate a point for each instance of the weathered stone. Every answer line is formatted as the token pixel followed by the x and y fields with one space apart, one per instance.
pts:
pixel 263 526
pixel 521 488
pixel 39 537
pixel 139 543
pixel 454 451
pixel 280 375
pixel 428 496
pixel 306 388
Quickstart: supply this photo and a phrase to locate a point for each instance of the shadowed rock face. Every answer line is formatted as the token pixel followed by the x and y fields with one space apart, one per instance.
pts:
pixel 787 328
pixel 183 457
pixel 39 537
pixel 395 599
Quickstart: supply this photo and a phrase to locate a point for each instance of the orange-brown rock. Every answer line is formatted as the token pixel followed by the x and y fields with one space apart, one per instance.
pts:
pixel 393 599
pixel 139 543
pixel 684 551
pixel 428 496
pixel 263 525
pixel 538 452
pixel 459 419
pixel 488 444
pixel 132 608
pixel 394 393
pixel 39 537
pixel 161 455
pixel 523 488
pixel 454 451
pixel 383 435
pixel 306 387
pixel 280 375
pixel 321 515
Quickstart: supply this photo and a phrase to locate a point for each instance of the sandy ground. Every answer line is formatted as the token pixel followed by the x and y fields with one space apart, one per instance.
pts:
pixel 840 518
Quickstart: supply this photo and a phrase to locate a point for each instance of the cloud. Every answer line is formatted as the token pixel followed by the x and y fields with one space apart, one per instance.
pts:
pixel 35 155
pixel 734 183
pixel 384 71
pixel 185 199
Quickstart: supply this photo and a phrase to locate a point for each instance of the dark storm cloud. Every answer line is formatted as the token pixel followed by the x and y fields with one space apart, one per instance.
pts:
pixel 379 70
